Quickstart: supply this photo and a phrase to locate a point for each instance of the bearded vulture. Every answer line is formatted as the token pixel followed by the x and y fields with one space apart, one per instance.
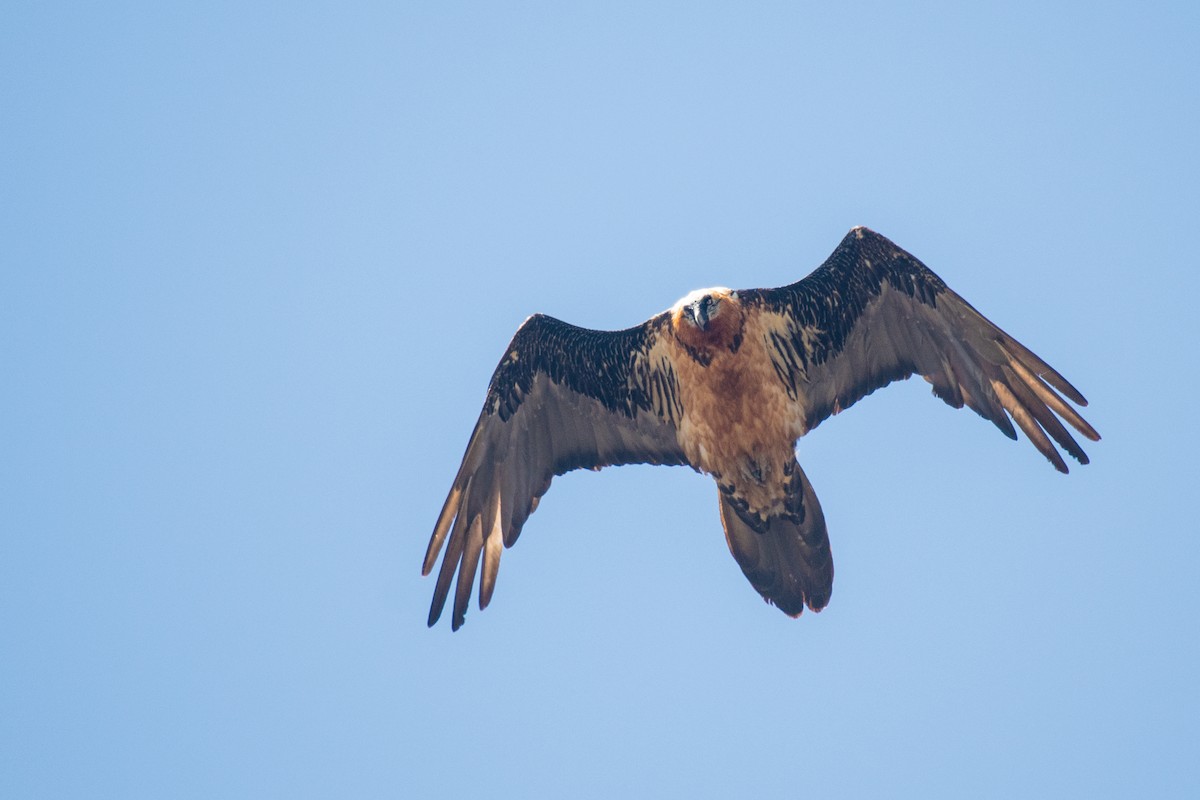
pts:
pixel 726 382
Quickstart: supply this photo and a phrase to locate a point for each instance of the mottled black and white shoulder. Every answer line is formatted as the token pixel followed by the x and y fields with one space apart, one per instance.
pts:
pixel 873 313
pixel 561 398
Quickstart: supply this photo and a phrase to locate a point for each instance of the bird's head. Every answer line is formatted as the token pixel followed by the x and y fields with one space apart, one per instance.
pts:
pixel 709 318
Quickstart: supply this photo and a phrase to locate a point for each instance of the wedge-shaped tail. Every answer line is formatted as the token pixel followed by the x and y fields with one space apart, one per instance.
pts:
pixel 789 561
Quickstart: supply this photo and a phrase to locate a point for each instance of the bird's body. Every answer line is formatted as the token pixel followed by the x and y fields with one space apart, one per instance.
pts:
pixel 738 424
pixel 727 382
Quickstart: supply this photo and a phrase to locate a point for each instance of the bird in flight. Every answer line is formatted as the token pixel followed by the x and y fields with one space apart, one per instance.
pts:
pixel 726 382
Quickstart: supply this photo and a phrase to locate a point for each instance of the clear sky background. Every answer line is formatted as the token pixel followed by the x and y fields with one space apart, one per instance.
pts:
pixel 258 261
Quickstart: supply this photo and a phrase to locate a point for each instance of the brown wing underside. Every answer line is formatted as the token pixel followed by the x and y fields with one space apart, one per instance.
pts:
pixel 873 313
pixel 562 398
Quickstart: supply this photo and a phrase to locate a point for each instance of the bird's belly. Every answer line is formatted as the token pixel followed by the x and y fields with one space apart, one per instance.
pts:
pixel 739 426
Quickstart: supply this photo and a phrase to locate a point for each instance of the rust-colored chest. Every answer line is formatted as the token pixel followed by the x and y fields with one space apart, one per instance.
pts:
pixel 738 422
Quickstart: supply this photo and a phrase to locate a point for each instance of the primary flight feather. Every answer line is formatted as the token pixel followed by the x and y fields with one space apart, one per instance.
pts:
pixel 726 382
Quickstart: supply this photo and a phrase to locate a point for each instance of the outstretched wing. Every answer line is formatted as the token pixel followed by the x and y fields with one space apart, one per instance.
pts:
pixel 873 314
pixel 562 398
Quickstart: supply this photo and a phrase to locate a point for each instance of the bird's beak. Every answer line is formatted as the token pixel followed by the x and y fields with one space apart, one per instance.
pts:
pixel 700 315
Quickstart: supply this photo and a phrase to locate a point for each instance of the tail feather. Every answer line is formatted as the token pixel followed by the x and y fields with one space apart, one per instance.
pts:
pixel 789 562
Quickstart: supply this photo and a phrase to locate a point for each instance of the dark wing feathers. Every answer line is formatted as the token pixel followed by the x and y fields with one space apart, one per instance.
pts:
pixel 873 314
pixel 562 398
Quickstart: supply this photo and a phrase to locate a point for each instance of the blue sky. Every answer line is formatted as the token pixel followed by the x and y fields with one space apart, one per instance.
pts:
pixel 257 263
